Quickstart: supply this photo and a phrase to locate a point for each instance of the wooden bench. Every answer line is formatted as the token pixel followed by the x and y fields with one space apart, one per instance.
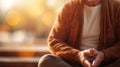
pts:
pixel 21 56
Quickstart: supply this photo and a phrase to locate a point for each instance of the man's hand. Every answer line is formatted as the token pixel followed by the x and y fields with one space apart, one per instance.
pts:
pixel 83 56
pixel 99 56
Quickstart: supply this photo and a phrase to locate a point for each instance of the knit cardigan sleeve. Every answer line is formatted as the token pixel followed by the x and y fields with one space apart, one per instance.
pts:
pixel 114 51
pixel 58 36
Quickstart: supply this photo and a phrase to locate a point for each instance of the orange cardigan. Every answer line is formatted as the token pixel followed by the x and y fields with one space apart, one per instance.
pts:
pixel 65 37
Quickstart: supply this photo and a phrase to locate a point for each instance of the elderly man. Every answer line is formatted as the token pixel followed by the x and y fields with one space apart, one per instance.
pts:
pixel 86 34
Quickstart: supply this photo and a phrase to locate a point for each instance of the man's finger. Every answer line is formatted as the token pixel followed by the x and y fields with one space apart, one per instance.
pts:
pixel 97 61
pixel 93 51
pixel 87 52
pixel 87 63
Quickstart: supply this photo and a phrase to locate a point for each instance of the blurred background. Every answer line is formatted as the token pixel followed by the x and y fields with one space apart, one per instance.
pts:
pixel 24 28
pixel 26 21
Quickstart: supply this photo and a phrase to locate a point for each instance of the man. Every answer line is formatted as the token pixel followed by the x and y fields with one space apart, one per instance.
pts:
pixel 86 34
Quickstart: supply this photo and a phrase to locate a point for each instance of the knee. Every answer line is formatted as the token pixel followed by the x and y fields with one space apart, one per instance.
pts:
pixel 47 57
pixel 44 60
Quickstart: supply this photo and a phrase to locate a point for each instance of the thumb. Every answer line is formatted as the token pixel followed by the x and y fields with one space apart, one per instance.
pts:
pixel 93 51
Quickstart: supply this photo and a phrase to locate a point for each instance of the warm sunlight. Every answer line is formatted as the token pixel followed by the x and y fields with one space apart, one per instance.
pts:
pixel 7 4
pixel 51 3
pixel 13 18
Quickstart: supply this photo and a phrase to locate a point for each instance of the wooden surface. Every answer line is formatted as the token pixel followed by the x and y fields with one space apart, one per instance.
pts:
pixel 21 56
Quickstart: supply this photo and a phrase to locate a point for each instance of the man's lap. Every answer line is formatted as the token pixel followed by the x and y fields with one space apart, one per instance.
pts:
pixel 53 61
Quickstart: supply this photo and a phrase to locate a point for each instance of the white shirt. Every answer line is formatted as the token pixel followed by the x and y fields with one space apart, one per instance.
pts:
pixel 91 27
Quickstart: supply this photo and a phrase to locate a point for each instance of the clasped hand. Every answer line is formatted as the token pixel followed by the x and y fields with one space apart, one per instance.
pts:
pixel 98 56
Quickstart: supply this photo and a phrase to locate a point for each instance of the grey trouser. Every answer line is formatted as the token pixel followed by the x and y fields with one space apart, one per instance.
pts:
pixel 53 61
